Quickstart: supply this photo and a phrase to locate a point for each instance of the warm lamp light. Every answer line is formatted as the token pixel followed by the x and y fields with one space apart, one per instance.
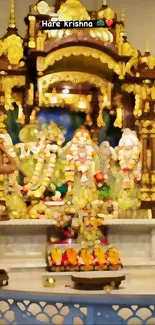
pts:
pixel 54 97
pixel 54 100
pixel 82 105
pixel 105 99
pixel 65 91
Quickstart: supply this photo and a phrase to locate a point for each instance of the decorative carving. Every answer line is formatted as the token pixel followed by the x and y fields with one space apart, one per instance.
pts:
pixel 76 77
pixel 147 127
pixel 13 48
pixel 119 111
pixel 148 158
pixel 78 11
pixel 58 55
pixel 43 8
pixel 7 83
pixel 12 23
pixel 32 21
pixel 104 35
pixel 30 95
pixel 40 41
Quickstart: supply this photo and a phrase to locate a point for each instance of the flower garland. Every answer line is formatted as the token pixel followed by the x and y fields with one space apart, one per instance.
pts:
pixel 128 150
pixel 80 157
pixel 128 155
pixel 44 156
pixel 36 175
pixel 128 162
pixel 47 155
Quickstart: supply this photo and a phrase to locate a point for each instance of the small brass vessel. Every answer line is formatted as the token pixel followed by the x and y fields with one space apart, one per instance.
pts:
pixel 49 283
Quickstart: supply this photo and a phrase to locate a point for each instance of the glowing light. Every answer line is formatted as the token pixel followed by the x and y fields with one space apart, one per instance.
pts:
pixel 65 91
pixel 54 100
pixel 82 105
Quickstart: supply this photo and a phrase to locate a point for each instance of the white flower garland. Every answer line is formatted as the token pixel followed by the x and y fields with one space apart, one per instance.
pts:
pixel 73 159
pixel 44 156
pixel 128 150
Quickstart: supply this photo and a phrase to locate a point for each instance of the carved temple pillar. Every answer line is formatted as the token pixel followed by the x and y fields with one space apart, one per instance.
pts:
pixel 3 116
pixel 94 130
pixel 147 138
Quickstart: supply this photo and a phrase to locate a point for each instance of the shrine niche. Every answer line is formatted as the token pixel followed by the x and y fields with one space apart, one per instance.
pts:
pixel 91 74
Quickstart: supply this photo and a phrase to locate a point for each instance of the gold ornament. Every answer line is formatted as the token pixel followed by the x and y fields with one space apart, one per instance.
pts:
pixel 58 55
pixel 12 23
pixel 43 7
pixel 13 47
pixel 72 10
pixel 119 118
pixel 49 283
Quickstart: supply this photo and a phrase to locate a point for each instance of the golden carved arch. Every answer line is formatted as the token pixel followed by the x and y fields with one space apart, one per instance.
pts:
pixel 7 84
pixel 44 62
pixel 78 77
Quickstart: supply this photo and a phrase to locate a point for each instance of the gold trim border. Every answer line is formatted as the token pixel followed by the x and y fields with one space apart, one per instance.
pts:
pixel 44 62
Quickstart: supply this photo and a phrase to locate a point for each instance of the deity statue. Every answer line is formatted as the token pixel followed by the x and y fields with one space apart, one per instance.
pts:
pixel 70 259
pixel 128 152
pixel 99 258
pixel 50 140
pixel 81 164
pixel 86 260
pixel 113 258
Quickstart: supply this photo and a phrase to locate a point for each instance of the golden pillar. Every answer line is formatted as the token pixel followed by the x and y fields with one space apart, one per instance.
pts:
pixel 3 116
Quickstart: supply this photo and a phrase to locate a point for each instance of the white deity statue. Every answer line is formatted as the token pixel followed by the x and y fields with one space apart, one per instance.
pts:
pixel 129 149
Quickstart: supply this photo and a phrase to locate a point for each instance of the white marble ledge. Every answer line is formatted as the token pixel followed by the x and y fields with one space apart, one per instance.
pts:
pixel 107 222
pixel 130 222
pixel 23 263
pixel 27 222
pixel 33 282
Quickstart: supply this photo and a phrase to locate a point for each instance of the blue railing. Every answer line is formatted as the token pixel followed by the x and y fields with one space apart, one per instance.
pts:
pixel 23 308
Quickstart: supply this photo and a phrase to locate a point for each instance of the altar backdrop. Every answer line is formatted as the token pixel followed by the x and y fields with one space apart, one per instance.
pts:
pixel 140 18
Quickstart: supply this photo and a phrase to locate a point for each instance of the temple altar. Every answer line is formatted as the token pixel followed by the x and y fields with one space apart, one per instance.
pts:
pixel 23 243
pixel 77 145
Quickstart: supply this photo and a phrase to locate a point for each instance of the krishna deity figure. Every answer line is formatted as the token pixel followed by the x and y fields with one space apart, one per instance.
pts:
pixel 128 152
pixel 81 164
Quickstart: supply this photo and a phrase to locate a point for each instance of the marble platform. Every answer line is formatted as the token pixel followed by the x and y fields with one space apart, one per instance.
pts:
pixel 27 301
pixel 23 242
pixel 136 283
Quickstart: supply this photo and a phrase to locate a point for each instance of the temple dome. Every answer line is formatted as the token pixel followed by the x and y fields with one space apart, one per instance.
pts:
pixel 72 10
